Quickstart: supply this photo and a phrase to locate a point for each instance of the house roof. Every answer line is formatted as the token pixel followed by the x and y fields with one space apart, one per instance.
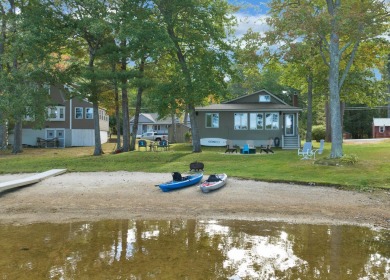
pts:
pixel 249 107
pixel 232 105
pixel 152 118
pixel 381 121
pixel 263 91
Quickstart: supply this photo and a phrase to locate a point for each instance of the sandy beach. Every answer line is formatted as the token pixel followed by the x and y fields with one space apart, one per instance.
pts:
pixel 133 195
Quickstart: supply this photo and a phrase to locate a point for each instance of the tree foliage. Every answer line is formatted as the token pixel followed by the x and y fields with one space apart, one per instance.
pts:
pixel 338 30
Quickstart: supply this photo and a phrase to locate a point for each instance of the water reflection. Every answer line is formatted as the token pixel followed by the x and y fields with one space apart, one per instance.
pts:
pixel 190 249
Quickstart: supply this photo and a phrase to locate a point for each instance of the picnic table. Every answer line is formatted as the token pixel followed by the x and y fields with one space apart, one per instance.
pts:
pixel 47 143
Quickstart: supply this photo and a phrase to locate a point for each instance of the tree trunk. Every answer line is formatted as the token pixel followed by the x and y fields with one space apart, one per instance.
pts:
pixel 196 148
pixel 95 104
pixel 342 110
pixel 388 85
pixel 136 117
pixel 137 107
pixel 17 146
pixel 117 111
pixel 3 133
pixel 3 36
pixel 185 120
pixel 173 117
pixel 328 130
pixel 96 123
pixel 125 104
pixel 309 124
pixel 334 68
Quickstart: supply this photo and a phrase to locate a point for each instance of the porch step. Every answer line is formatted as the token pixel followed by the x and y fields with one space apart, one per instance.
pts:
pixel 290 143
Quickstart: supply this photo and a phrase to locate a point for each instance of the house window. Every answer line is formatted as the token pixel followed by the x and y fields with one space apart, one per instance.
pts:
pixel 264 98
pixel 240 121
pixel 78 114
pixel 56 113
pixel 272 121
pixel 256 121
pixel 89 113
pixel 382 129
pixel 102 115
pixel 212 120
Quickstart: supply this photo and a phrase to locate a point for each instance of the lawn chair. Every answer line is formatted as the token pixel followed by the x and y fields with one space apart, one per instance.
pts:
pixel 230 149
pixel 163 144
pixel 245 149
pixel 306 152
pixel 266 149
pixel 320 149
pixel 142 144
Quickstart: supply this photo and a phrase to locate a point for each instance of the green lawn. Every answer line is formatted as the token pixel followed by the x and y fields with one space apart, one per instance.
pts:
pixel 371 171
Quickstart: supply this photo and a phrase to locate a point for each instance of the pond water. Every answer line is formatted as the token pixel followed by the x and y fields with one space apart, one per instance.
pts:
pixel 193 249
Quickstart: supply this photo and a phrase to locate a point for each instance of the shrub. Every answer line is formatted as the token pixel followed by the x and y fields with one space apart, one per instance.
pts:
pixel 187 136
pixel 318 132
pixel 349 159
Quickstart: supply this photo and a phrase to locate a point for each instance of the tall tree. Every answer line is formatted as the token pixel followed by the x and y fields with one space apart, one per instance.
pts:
pixel 197 30
pixel 340 26
pixel 27 62
pixel 88 20
pixel 141 42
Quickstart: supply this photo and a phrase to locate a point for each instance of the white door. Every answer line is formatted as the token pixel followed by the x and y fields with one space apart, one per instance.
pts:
pixel 56 133
pixel 289 124
pixel 60 134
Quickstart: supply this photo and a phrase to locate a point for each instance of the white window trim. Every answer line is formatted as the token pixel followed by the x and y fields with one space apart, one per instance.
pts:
pixel 211 115
pixel 82 113
pixel 57 113
pixel 265 119
pixel 250 123
pixel 265 98
pixel 382 129
pixel 241 126
pixel 86 113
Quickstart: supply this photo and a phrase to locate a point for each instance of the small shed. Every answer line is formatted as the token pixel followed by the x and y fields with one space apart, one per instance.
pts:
pixel 181 130
pixel 381 128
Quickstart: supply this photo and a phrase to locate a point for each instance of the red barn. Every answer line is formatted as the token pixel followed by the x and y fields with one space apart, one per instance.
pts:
pixel 381 128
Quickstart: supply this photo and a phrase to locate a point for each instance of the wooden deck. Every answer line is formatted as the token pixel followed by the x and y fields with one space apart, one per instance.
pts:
pixel 30 180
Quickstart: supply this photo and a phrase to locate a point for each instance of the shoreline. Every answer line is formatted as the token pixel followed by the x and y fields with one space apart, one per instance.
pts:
pixel 93 196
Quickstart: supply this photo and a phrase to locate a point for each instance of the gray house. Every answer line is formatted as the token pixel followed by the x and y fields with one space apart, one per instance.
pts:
pixel 151 122
pixel 257 119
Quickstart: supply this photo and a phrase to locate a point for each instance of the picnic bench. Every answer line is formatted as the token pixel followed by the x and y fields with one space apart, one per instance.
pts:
pixel 47 143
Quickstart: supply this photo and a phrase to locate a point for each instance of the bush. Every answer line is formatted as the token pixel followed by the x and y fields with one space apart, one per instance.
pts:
pixel 349 159
pixel 187 136
pixel 318 132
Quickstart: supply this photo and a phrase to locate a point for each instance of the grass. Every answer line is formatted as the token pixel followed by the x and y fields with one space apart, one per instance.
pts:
pixel 371 171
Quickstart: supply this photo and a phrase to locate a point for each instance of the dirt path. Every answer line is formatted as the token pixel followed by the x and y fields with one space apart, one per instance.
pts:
pixel 124 195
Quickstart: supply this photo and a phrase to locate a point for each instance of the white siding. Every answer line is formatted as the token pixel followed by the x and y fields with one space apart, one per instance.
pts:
pixel 83 137
pixel 86 137
pixel 29 136
pixel 103 136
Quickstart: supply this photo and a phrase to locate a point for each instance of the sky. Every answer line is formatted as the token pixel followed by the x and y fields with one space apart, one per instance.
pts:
pixel 252 14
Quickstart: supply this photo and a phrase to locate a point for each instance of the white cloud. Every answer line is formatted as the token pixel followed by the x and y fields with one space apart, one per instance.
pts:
pixel 245 22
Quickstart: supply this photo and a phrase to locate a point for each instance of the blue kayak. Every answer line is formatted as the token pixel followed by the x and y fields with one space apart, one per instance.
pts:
pixel 185 181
